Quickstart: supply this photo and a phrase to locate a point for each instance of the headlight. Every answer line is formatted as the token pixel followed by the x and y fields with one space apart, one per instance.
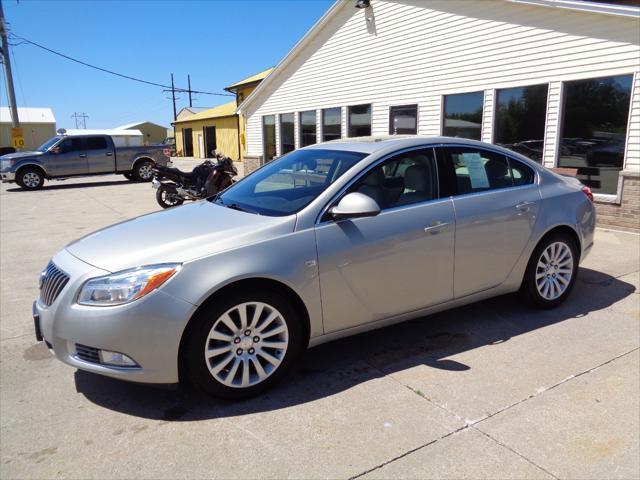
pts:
pixel 6 164
pixel 126 286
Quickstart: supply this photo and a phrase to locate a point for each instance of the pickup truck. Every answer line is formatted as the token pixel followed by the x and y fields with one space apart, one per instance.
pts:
pixel 65 156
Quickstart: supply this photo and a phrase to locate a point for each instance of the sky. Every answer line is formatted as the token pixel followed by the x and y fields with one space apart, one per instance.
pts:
pixel 217 42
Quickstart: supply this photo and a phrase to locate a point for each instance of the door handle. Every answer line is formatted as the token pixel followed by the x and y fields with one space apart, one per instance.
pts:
pixel 82 155
pixel 525 206
pixel 109 154
pixel 435 226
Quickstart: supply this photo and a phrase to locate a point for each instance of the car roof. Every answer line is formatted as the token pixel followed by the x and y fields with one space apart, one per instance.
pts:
pixel 382 142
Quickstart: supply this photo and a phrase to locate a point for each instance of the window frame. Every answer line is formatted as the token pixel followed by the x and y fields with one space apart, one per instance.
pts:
pixel 320 218
pixel 280 124
pixel 264 138
pixel 315 127
pixel 444 111
pixel 324 110
pixel 391 109
pixel 349 108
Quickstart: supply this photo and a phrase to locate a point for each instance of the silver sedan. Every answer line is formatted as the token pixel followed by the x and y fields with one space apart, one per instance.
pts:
pixel 325 242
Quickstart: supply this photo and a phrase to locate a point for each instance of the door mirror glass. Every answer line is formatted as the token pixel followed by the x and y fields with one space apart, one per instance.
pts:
pixel 355 205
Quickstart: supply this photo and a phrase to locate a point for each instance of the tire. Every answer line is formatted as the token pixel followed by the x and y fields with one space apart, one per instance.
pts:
pixel 167 198
pixel 128 175
pixel 142 171
pixel 30 178
pixel 551 272
pixel 223 373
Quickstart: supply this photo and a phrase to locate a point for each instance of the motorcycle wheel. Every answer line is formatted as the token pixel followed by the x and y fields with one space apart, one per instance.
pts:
pixel 166 198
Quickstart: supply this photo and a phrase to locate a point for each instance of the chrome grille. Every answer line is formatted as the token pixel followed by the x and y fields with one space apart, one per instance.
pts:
pixel 88 354
pixel 52 282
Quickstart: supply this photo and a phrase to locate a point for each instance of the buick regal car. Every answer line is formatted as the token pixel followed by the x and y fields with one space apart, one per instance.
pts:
pixel 325 242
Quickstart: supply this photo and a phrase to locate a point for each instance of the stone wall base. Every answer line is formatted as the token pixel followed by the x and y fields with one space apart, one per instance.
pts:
pixel 251 163
pixel 624 214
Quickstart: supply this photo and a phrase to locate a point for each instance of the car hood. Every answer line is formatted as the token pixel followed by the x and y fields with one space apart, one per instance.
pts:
pixel 177 235
pixel 18 155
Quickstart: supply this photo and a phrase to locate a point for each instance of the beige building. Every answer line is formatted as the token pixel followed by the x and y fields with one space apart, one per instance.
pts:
pixel 38 125
pixel 151 132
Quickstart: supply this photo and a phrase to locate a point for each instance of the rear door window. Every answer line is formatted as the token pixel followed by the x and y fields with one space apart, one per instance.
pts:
pixel 477 170
pixel 522 174
pixel 96 143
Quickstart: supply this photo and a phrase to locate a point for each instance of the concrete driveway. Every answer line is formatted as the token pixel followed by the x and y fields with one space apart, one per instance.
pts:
pixel 491 390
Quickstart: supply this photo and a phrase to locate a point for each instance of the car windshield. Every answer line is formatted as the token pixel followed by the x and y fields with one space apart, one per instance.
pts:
pixel 290 183
pixel 48 144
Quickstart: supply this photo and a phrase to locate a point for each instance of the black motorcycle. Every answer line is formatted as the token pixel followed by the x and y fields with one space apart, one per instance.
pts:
pixel 173 186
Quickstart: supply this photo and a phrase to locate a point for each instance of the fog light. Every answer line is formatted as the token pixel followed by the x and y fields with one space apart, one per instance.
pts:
pixel 116 359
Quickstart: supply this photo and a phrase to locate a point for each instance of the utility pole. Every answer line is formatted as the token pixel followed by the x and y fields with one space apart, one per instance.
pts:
pixel 7 66
pixel 189 87
pixel 80 118
pixel 173 95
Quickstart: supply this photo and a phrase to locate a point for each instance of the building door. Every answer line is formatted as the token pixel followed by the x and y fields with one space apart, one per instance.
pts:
pixel 187 142
pixel 209 141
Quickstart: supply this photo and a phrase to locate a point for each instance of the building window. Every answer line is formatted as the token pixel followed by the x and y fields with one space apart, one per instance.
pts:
pixel 287 135
pixel 307 128
pixel 269 137
pixel 331 124
pixel 463 115
pixel 520 119
pixel 360 121
pixel 595 115
pixel 403 120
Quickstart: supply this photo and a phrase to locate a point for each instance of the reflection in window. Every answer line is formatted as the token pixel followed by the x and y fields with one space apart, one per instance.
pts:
pixel 360 121
pixel 287 135
pixel 269 136
pixel 596 113
pixel 403 120
pixel 463 115
pixel 331 124
pixel 307 128
pixel 520 119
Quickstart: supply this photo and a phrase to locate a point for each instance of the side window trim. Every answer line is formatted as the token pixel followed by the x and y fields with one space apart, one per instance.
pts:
pixel 368 169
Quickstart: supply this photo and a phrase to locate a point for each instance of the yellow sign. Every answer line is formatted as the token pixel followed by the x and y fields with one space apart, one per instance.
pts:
pixel 17 137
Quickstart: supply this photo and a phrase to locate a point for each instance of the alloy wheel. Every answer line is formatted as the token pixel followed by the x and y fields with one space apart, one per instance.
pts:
pixel 246 344
pixel 31 180
pixel 145 171
pixel 554 270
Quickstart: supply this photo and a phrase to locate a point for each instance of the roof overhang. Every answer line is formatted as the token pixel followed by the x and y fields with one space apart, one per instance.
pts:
pixel 586 6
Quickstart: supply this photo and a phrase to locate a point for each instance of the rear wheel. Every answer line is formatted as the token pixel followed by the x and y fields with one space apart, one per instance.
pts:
pixel 167 197
pixel 30 178
pixel 243 344
pixel 143 171
pixel 551 273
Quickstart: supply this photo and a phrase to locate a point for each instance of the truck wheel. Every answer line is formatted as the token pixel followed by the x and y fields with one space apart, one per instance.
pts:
pixel 142 171
pixel 30 178
pixel 167 198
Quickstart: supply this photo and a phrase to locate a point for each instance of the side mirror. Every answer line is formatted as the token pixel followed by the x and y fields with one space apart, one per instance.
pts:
pixel 54 150
pixel 355 205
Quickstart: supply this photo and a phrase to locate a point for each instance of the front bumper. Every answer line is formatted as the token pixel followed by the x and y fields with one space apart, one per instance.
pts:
pixel 8 177
pixel 147 330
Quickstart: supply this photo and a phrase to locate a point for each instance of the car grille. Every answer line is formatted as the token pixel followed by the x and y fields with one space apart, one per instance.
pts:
pixel 88 354
pixel 51 284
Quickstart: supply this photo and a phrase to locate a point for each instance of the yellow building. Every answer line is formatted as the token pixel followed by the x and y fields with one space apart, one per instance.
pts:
pixel 219 127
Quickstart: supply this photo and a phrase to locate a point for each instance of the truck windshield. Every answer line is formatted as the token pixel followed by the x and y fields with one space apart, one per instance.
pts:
pixel 48 144
pixel 288 184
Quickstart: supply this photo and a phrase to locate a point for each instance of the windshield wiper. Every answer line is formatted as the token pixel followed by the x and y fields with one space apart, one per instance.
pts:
pixel 235 206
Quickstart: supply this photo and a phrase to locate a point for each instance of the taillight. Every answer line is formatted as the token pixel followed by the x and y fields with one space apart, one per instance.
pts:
pixel 587 191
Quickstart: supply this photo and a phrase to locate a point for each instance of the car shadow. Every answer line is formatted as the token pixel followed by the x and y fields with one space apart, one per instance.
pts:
pixel 70 186
pixel 337 366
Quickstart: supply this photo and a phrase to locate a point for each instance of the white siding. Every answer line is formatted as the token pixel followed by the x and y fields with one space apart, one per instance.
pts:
pixel 422 50
pixel 487 115
pixel 632 157
pixel 552 128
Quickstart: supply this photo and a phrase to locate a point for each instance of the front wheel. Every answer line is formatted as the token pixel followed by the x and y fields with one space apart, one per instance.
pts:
pixel 243 344
pixel 143 171
pixel 30 178
pixel 551 273
pixel 167 197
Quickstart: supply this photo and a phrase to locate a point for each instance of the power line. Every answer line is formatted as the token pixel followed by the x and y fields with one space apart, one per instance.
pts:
pixel 13 35
pixel 81 120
